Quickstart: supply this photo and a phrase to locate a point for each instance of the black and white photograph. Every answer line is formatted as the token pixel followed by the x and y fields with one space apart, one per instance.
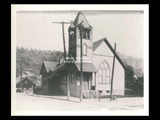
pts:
pixel 79 60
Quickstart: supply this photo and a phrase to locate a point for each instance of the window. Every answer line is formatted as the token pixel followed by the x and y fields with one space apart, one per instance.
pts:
pixel 103 73
pixel 100 91
pixel 107 91
pixel 100 75
pixel 88 35
pixel 85 34
pixel 84 49
pixel 78 79
pixel 44 80
pixel 72 77
pixel 63 80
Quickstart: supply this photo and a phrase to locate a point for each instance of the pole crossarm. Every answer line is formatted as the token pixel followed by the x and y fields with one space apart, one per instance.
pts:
pixel 62 22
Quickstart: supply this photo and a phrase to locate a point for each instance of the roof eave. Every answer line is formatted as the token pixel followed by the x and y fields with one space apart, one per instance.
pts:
pixel 111 48
pixel 116 55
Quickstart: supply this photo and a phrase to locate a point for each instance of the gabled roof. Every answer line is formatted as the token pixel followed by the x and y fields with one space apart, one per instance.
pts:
pixel 98 43
pixel 80 16
pixel 61 66
pixel 49 66
pixel 25 79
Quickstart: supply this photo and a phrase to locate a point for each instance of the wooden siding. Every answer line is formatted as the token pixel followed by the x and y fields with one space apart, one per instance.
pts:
pixel 104 53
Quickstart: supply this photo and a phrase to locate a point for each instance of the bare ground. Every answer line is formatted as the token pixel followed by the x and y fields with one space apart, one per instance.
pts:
pixel 60 103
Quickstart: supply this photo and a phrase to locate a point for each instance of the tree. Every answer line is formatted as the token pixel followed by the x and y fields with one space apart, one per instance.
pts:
pixel 33 59
pixel 129 81
pixel 138 86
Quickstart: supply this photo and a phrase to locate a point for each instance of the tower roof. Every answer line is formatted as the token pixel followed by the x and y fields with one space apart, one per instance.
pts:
pixel 72 25
pixel 79 18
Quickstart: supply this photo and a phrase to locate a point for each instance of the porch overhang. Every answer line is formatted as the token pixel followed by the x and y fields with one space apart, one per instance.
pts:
pixel 87 67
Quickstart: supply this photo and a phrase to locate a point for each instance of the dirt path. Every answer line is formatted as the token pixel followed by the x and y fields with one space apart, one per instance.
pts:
pixel 25 102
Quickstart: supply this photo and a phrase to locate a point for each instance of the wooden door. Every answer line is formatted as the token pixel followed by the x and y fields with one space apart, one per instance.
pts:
pixel 85 81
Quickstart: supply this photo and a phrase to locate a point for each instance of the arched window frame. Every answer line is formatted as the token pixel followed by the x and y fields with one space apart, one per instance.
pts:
pixel 104 77
pixel 85 49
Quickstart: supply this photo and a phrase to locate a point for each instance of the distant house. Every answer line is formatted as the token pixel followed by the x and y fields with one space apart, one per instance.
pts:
pixel 97 66
pixel 27 85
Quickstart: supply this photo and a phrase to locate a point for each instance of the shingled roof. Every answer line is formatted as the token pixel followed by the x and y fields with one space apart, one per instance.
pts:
pixel 80 16
pixel 49 66
pixel 98 43
pixel 17 82
pixel 87 67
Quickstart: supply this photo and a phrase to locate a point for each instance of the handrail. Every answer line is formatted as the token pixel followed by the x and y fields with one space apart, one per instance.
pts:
pixel 92 94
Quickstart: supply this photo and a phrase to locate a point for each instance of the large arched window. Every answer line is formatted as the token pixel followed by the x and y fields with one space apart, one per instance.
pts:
pixel 103 73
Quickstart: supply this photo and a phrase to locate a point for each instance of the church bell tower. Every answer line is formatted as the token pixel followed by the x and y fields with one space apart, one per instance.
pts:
pixel 74 39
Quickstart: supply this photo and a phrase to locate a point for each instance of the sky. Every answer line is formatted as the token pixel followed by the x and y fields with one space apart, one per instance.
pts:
pixel 35 30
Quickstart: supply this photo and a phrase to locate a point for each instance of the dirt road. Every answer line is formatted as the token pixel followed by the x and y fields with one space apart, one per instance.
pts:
pixel 40 103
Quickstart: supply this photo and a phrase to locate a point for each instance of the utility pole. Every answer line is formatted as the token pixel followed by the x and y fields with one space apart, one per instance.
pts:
pixel 66 72
pixel 81 66
pixel 111 96
pixel 64 46
pixel 64 41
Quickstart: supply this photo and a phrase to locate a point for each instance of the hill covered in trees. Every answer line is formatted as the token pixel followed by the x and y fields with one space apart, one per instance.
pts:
pixel 134 62
pixel 32 60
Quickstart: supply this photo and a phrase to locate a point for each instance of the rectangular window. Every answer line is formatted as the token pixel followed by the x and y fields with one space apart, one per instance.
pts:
pixel 107 79
pixel 78 79
pixel 107 76
pixel 84 35
pixel 44 80
pixel 72 77
pixel 88 35
pixel 107 91
pixel 63 80
pixel 100 78
pixel 104 76
pixel 100 91
pixel 85 49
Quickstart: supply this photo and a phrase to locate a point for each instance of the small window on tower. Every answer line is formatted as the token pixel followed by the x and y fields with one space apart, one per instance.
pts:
pixel 84 34
pixel 88 35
